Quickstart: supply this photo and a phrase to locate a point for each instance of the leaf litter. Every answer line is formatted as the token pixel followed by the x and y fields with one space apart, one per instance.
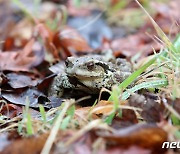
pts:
pixel 40 38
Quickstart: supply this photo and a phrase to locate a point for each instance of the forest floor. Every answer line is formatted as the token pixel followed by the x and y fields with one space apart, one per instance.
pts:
pixel 138 114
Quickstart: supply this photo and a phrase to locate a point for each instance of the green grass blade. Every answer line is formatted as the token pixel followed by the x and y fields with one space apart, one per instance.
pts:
pixel 144 85
pixel 28 119
pixel 43 113
pixel 29 126
pixel 175 120
pixel 119 5
pixel 23 8
pixel 159 31
pixel 65 122
pixel 109 119
pixel 135 74
pixel 177 43
pixel 71 111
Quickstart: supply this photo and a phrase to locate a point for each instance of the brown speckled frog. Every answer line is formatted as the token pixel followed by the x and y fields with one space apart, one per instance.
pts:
pixel 90 73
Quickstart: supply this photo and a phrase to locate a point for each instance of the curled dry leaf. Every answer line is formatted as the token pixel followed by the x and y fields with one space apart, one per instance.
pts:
pixel 128 118
pixel 103 107
pixel 20 81
pixel 10 110
pixel 22 60
pixel 141 135
pixel 8 44
pixel 7 20
pixel 70 41
pixel 47 37
pixel 132 44
pixel 33 96
pixel 82 114
pixel 152 111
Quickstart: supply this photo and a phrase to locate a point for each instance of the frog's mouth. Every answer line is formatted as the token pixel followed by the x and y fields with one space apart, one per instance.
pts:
pixel 75 81
pixel 88 78
pixel 82 74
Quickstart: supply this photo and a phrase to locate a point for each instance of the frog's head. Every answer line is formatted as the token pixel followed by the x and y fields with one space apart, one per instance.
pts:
pixel 86 67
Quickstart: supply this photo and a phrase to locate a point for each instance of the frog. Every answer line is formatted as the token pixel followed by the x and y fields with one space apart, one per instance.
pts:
pixel 91 73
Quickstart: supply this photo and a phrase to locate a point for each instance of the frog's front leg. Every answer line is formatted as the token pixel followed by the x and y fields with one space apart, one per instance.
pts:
pixel 59 83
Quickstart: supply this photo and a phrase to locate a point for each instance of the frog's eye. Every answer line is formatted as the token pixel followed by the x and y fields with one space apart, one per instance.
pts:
pixel 90 65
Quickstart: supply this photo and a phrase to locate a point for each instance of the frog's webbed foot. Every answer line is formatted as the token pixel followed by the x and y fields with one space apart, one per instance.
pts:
pixel 59 83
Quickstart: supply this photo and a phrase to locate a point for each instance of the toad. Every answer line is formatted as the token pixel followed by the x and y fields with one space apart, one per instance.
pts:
pixel 90 73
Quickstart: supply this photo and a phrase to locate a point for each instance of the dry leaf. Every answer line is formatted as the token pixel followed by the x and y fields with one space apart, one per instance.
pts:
pixel 22 60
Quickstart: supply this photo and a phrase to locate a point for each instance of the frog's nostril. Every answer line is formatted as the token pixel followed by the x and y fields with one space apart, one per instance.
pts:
pixel 66 62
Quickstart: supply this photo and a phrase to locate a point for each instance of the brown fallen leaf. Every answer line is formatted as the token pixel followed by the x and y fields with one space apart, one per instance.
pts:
pixel 84 143
pixel 29 145
pixel 69 40
pixel 19 35
pixel 176 104
pixel 141 135
pixel 4 141
pixel 22 60
pixel 128 118
pixel 47 36
pixel 34 97
pixel 8 44
pixel 133 44
pixel 7 21
pixel 152 111
pixel 167 16
pixel 103 107
pixel 10 110
pixel 20 80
